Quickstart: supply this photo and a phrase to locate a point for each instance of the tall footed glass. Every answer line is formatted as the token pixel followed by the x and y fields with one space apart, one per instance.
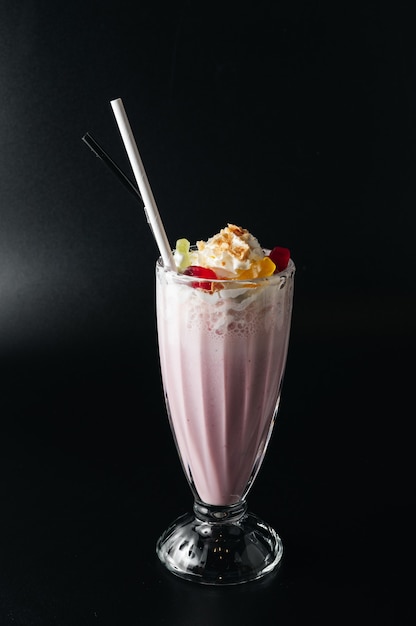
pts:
pixel 223 347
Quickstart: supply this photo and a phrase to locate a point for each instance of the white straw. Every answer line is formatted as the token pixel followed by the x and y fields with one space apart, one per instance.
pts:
pixel 150 208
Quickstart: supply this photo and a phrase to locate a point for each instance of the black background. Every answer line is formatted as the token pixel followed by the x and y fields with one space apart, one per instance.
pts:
pixel 295 120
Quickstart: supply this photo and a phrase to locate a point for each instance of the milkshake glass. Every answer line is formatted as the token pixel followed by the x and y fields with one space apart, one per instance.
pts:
pixel 222 347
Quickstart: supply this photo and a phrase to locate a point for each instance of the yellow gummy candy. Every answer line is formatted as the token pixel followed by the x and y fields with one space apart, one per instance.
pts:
pixel 267 267
pixel 259 269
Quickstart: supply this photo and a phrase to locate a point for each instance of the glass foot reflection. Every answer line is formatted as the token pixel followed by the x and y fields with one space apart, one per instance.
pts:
pixel 220 546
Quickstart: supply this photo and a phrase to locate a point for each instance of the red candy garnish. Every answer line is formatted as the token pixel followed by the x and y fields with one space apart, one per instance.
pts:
pixel 201 272
pixel 280 257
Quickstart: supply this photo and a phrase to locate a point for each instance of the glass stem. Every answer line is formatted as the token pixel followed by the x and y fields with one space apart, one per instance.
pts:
pixel 220 514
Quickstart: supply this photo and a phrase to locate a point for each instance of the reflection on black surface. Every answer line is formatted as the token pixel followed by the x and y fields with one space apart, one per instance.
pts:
pixel 190 603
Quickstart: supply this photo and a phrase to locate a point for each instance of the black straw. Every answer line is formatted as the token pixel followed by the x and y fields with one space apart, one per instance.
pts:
pixel 101 154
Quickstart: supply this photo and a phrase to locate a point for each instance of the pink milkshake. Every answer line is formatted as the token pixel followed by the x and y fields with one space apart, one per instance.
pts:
pixel 223 344
pixel 222 358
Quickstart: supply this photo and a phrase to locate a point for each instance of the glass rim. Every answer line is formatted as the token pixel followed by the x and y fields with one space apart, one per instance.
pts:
pixel 184 278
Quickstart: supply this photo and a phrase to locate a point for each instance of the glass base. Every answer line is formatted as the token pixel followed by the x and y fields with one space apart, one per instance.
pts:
pixel 220 546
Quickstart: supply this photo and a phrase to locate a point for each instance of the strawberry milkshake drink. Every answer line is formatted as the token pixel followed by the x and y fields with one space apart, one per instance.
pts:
pixel 223 317
pixel 223 329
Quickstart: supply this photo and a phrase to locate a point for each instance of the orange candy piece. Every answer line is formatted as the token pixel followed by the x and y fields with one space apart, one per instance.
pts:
pixel 259 269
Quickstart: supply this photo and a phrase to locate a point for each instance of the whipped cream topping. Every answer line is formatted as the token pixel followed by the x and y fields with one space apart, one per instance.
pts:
pixel 229 252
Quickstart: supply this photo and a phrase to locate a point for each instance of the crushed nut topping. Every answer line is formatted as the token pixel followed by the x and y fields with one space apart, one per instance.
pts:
pixel 232 239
